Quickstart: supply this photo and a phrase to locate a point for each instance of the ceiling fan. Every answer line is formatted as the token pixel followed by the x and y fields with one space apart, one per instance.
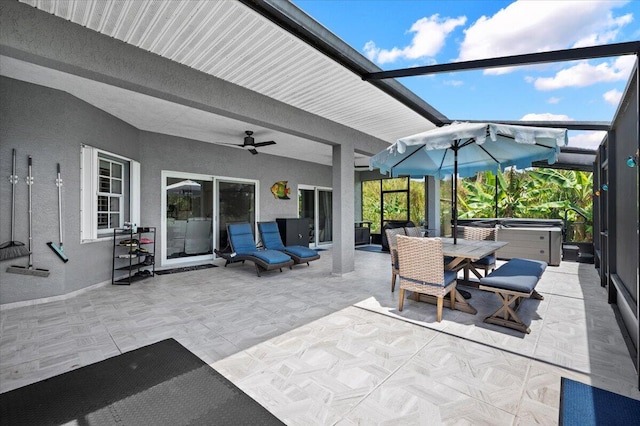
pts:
pixel 250 144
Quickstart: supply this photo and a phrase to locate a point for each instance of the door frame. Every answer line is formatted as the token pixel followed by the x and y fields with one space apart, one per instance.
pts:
pixel 216 205
pixel 316 199
pixel 162 260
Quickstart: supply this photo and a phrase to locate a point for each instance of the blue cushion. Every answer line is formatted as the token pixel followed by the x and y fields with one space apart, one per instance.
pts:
pixel 448 259
pixel 449 277
pixel 270 256
pixel 519 275
pixel 241 238
pixel 301 251
pixel 270 235
pixel 487 260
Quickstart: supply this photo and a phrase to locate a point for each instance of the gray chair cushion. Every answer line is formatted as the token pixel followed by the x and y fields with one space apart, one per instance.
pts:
pixel 519 275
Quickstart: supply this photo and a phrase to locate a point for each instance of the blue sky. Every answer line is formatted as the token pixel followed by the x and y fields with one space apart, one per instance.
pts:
pixel 405 33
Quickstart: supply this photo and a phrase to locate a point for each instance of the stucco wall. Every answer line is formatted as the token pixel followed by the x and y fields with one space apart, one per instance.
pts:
pixel 163 152
pixel 51 126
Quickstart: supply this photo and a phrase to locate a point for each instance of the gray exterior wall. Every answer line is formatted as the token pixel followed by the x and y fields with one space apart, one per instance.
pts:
pixel 162 152
pixel 51 126
pixel 626 186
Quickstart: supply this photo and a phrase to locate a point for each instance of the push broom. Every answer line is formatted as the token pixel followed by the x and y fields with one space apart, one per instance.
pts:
pixel 59 249
pixel 12 249
pixel 29 270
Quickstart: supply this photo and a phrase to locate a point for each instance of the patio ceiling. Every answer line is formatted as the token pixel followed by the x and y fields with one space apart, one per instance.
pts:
pixel 233 42
pixel 270 47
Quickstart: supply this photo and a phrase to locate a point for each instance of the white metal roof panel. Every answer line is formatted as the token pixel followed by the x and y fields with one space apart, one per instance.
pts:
pixel 230 41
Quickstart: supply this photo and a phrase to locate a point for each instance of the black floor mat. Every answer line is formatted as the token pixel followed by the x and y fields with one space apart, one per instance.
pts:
pixel 159 384
pixel 185 269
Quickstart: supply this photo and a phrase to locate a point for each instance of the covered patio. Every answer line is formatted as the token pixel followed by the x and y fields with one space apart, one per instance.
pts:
pixel 318 350
pixel 323 344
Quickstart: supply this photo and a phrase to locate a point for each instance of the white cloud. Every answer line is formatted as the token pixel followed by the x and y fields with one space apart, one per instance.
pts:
pixel 613 96
pixel 454 83
pixel 531 26
pixel 546 116
pixel 553 100
pixel 589 140
pixel 428 39
pixel 585 74
pixel 605 36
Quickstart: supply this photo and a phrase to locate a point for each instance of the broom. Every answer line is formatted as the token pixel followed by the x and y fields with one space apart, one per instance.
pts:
pixel 12 249
pixel 29 270
pixel 59 249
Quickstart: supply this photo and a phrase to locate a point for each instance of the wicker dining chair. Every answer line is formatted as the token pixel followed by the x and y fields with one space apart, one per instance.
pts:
pixel 392 233
pixel 421 270
pixel 413 231
pixel 487 263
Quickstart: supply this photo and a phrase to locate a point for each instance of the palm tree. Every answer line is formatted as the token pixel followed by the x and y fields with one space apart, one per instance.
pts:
pixel 534 193
pixel 569 195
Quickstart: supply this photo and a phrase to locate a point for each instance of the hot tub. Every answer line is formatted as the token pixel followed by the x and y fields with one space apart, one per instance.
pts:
pixel 538 239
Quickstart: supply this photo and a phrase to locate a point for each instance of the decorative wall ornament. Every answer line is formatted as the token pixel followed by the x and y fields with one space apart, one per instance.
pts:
pixel 280 190
pixel 634 159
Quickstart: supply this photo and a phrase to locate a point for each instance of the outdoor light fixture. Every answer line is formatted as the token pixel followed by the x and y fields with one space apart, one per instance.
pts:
pixel 633 160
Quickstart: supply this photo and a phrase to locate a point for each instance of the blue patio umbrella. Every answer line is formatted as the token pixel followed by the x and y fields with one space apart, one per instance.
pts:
pixel 464 149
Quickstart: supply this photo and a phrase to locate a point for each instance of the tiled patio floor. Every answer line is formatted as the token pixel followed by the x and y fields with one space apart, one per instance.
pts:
pixel 314 348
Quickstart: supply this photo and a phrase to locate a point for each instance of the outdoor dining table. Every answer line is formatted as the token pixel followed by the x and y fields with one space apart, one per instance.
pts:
pixel 466 252
pixel 463 252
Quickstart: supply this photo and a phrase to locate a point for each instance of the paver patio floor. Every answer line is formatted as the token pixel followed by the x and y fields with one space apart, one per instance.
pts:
pixel 315 348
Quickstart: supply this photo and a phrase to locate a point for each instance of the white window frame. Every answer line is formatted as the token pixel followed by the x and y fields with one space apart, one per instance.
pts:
pixel 89 171
pixel 110 194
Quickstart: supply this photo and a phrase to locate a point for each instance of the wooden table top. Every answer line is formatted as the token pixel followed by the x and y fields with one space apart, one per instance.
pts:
pixel 470 249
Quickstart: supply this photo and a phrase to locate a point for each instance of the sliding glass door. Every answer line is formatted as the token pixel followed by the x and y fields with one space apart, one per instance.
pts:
pixel 236 203
pixel 188 201
pixel 316 203
pixel 197 209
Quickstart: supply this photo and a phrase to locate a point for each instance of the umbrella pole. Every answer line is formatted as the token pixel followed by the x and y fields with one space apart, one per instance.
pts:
pixel 496 195
pixel 455 195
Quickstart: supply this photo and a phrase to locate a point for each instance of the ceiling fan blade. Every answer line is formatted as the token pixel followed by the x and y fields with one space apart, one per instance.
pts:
pixel 228 143
pixel 258 144
pixel 253 151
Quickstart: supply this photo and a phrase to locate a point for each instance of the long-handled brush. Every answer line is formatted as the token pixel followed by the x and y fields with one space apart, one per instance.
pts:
pixel 12 249
pixel 29 270
pixel 59 249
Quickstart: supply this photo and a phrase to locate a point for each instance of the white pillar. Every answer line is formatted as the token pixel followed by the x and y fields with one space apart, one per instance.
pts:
pixel 343 209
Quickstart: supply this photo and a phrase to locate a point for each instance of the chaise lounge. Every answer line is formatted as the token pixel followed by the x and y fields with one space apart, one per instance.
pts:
pixel 243 247
pixel 271 240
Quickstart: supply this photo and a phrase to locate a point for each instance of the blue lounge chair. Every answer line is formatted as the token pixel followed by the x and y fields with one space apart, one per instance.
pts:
pixel 243 247
pixel 271 240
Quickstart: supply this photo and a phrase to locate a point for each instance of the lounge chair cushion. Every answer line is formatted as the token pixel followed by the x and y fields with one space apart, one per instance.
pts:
pixel 241 237
pixel 271 240
pixel 270 256
pixel 270 235
pixel 300 251
pixel 519 275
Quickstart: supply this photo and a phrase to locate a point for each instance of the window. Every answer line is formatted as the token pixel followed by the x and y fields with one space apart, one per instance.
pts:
pixel 110 191
pixel 110 194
